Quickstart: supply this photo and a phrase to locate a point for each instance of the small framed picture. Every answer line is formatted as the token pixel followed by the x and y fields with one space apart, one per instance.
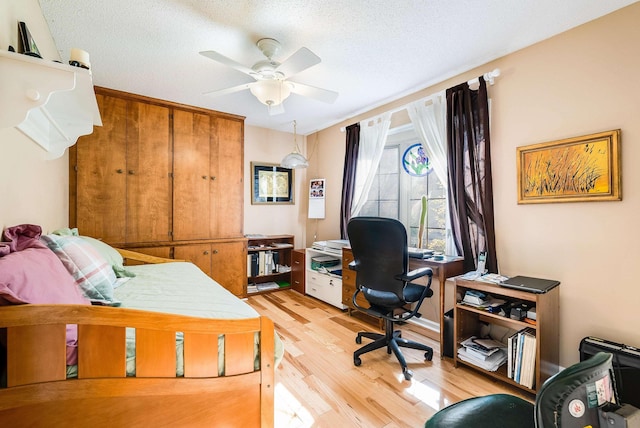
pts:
pixel 27 44
pixel 272 184
pixel 316 188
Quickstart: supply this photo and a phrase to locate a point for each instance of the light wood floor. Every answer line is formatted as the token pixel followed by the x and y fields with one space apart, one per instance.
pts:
pixel 317 384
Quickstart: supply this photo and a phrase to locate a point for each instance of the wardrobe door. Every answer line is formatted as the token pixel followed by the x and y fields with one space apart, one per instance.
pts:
pixel 192 177
pixel 198 254
pixel 227 166
pixel 148 195
pixel 100 169
pixel 229 266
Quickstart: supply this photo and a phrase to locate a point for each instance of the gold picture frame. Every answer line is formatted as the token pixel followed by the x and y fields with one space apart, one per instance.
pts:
pixel 271 184
pixel 578 169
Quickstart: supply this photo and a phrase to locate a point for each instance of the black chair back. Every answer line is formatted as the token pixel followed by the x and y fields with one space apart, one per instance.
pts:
pixel 571 397
pixel 380 252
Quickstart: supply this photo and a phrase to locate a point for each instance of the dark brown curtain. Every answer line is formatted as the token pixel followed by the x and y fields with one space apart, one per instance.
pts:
pixel 349 176
pixel 469 170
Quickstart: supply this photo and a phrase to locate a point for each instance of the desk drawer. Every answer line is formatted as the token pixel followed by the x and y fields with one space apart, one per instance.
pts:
pixel 325 288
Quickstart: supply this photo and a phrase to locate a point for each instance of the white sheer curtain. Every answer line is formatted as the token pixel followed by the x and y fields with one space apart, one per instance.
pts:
pixel 373 136
pixel 429 117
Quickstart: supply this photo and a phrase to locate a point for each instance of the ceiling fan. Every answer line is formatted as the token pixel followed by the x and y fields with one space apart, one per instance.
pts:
pixel 271 86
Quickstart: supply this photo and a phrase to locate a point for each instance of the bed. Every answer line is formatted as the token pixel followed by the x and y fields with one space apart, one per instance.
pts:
pixel 151 358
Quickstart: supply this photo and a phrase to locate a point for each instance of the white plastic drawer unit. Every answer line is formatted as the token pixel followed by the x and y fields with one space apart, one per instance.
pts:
pixel 325 288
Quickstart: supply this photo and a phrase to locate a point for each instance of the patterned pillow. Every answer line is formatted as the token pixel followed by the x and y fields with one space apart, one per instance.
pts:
pixel 89 269
pixel 111 255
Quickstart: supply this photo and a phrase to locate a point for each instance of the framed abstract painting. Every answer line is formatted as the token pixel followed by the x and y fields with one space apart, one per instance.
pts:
pixel 578 169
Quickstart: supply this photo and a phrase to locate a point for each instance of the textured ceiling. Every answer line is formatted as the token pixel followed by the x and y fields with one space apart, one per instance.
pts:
pixel 372 51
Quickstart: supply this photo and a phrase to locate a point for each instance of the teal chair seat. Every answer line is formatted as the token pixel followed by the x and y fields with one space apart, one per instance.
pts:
pixel 491 411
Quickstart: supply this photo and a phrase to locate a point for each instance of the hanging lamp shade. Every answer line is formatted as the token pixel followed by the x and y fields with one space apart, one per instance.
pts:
pixel 294 159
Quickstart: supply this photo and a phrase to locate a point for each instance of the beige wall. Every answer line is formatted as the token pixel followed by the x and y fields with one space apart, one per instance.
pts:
pixel 577 83
pixel 32 188
pixel 263 145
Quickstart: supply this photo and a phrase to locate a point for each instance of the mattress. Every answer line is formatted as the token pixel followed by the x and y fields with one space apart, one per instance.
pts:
pixel 182 289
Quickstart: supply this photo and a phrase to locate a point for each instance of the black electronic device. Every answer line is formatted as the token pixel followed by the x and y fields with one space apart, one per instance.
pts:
pixel 626 365
pixel 531 285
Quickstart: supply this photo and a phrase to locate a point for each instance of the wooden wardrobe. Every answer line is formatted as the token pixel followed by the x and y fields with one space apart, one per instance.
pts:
pixel 164 179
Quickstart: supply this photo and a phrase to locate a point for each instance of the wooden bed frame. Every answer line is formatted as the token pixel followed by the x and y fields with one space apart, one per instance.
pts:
pixel 38 392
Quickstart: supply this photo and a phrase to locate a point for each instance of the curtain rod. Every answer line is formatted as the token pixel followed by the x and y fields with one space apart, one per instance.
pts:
pixel 488 77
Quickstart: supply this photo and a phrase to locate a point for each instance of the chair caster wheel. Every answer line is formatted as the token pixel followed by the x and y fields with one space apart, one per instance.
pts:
pixel 428 355
pixel 357 361
pixel 408 374
pixel 358 340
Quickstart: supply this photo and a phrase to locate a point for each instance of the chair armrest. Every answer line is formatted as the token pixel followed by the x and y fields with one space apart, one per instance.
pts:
pixel 415 274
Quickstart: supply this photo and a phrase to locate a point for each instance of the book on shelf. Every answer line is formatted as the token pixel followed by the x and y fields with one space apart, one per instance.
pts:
pixel 521 355
pixel 261 257
pixel 527 375
pixel 252 264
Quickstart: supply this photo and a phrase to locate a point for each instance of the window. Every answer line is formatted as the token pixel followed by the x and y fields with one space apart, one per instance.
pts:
pixel 396 194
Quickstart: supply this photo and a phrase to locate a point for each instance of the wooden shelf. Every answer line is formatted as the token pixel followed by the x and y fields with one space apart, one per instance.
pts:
pixel 468 320
pixel 51 103
pixel 282 245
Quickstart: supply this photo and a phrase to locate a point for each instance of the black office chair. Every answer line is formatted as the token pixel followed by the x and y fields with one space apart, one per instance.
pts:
pixel 381 262
pixel 569 399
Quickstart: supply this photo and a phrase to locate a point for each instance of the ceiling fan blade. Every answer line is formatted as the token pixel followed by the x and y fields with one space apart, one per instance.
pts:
pixel 302 59
pixel 228 62
pixel 319 94
pixel 229 90
pixel 274 110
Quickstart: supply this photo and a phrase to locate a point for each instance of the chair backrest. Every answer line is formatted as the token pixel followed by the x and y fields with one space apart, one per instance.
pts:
pixel 379 247
pixel 571 398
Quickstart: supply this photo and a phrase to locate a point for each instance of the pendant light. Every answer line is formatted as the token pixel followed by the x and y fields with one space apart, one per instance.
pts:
pixel 294 159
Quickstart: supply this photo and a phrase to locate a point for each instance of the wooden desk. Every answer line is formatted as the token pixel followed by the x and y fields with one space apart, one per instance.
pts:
pixel 442 269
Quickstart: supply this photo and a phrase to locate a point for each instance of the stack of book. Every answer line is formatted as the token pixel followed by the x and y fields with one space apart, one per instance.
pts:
pixel 262 263
pixel 521 352
pixel 487 354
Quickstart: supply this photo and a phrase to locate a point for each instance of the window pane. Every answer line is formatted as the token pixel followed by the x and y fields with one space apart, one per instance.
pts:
pixel 375 189
pixel 419 187
pixel 389 187
pixel 370 209
pixel 437 212
pixel 395 194
pixel 413 236
pixel 436 188
pixel 389 209
pixel 436 240
pixel 414 213
pixel 389 162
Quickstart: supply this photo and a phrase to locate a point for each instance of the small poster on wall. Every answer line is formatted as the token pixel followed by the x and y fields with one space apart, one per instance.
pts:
pixel 317 193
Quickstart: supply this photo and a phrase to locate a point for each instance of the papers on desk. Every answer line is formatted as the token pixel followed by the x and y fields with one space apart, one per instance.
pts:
pixel 489 357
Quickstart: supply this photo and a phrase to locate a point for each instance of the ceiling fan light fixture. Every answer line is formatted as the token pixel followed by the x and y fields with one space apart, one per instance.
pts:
pixel 294 160
pixel 270 92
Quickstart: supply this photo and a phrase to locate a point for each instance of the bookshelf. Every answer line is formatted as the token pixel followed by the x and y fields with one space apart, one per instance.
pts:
pixel 260 251
pixel 469 320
